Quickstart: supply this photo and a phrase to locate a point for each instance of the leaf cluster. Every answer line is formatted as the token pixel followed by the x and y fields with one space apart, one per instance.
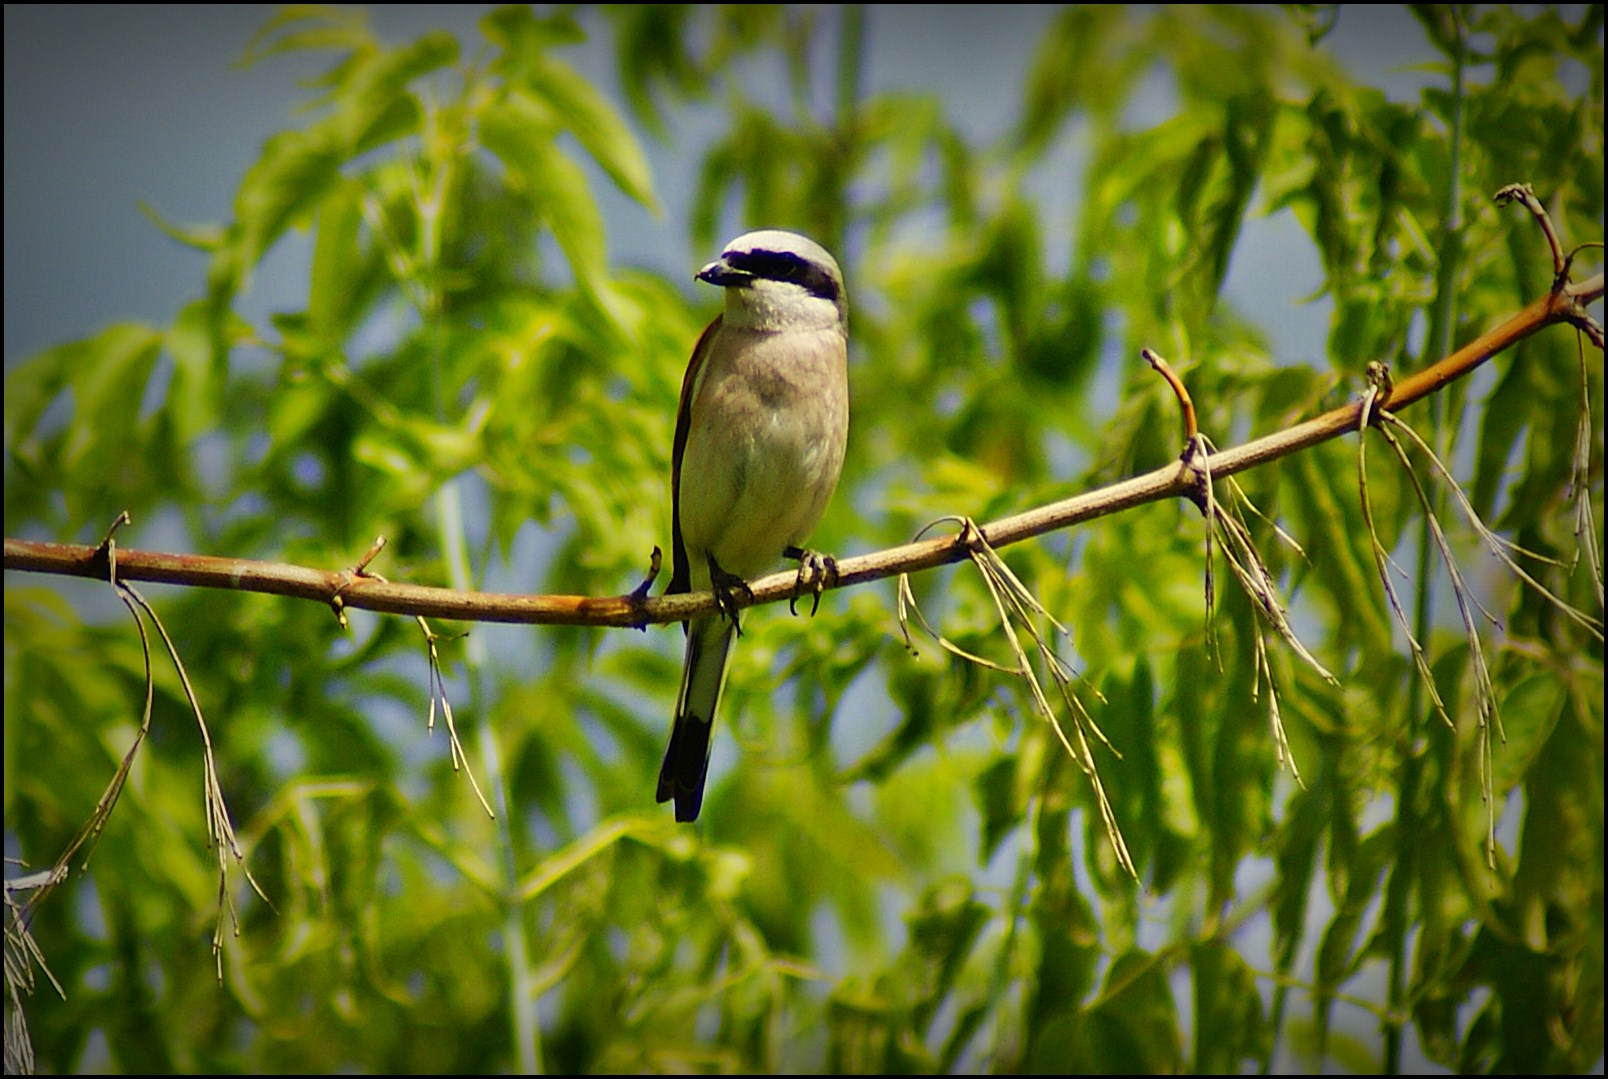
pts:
pixel 900 869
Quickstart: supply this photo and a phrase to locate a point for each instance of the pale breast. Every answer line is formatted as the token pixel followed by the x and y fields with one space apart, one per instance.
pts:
pixel 768 430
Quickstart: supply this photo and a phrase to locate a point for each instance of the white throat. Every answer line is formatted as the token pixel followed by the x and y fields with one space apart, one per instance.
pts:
pixel 778 305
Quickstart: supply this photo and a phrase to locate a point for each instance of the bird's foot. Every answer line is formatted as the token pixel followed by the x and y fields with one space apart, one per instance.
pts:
pixel 730 592
pixel 815 572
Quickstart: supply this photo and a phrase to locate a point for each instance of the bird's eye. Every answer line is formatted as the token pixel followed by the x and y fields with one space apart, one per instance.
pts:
pixel 775 265
pixel 786 266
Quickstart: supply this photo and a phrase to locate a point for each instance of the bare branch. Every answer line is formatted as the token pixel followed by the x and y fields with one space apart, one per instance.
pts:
pixel 1563 305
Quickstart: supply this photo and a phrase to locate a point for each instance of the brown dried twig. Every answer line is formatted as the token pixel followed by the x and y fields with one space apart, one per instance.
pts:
pixel 1019 609
pixel 1226 527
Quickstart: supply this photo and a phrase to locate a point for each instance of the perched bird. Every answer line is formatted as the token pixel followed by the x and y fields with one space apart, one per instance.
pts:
pixel 760 434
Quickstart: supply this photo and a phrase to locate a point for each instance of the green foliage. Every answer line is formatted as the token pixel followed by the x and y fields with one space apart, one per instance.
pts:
pixel 903 870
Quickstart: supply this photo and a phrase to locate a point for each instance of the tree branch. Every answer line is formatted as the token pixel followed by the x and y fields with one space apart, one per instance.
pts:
pixel 353 588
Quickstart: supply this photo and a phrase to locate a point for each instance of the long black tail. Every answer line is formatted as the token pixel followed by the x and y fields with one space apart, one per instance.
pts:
pixel 703 675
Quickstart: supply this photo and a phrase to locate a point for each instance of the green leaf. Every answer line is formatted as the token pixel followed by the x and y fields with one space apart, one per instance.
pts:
pixel 587 115
pixel 1133 1030
pixel 520 130
pixel 1230 1029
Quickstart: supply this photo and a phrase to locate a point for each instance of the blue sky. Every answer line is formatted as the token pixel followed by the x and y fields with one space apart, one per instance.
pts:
pixel 108 107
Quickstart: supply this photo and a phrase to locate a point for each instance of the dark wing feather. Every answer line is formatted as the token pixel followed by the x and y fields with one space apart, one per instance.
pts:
pixel 680 571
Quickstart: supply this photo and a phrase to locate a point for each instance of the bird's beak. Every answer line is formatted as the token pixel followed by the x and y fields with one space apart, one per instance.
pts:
pixel 722 273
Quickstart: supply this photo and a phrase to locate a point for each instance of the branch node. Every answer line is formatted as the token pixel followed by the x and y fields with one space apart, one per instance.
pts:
pixel 1193 463
pixel 117 522
pixel 638 595
pixel 105 557
pixel 1380 386
pixel 347 576
pixel 361 569
pixel 970 538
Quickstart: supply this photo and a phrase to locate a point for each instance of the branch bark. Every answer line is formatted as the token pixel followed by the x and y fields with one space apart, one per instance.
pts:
pixel 351 588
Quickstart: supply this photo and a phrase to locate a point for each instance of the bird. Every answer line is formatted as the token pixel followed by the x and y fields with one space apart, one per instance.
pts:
pixel 760 435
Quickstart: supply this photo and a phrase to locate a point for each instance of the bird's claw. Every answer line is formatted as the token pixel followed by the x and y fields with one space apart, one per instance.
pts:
pixel 815 571
pixel 731 591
